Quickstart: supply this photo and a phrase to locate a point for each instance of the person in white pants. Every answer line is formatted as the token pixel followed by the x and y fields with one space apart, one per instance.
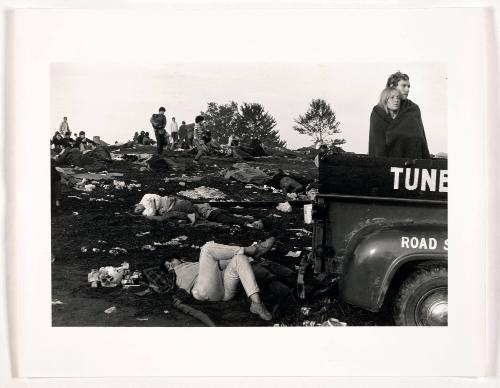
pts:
pixel 220 269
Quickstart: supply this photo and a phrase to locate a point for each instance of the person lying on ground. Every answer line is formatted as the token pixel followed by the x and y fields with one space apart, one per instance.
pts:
pixel 219 270
pixel 82 142
pixel 289 183
pixel 98 152
pixel 74 157
pixel 161 208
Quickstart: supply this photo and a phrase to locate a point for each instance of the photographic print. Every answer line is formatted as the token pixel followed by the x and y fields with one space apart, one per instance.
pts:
pixel 249 194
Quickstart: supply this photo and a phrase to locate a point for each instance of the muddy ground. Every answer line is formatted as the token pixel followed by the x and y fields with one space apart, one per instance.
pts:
pixel 86 221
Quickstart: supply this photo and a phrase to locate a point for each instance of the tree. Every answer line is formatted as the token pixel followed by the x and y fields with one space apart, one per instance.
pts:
pixel 221 120
pixel 320 122
pixel 254 122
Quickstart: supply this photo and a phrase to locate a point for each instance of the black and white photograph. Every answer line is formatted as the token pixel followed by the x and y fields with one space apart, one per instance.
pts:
pixel 249 194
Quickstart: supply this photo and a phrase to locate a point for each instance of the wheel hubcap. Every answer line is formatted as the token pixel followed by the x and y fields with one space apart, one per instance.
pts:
pixel 432 308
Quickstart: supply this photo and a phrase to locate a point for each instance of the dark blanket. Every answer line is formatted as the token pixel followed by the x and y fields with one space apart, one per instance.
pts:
pixel 402 137
pixel 73 156
pixel 100 153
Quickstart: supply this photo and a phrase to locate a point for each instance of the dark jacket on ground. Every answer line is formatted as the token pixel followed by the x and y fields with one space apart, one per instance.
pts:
pixel 402 137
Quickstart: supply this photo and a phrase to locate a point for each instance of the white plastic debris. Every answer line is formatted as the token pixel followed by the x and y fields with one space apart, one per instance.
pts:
pixel 117 250
pixel 111 276
pixel 203 192
pixel 182 183
pixel 142 319
pixel 112 309
pixel 148 247
pixel 119 184
pixel 74 196
pixel 56 301
pixel 141 234
pixel 292 196
pixel 99 200
pixel 96 250
pixel 305 310
pixel 293 254
pixel 75 213
pixel 83 249
pixel 89 187
pixel 165 311
pixel 284 207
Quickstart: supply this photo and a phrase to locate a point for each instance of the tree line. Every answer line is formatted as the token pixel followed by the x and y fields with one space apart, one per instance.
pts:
pixel 251 120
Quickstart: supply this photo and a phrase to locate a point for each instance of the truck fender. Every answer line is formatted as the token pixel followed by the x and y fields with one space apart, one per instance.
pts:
pixel 375 255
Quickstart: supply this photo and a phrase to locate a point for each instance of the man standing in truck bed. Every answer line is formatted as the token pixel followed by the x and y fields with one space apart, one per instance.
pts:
pixel 159 122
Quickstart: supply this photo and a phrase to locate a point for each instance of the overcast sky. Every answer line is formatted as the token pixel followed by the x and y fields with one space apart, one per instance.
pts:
pixel 115 100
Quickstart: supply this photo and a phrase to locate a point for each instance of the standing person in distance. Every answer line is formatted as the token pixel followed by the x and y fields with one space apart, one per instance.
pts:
pixel 159 122
pixel 174 133
pixel 64 126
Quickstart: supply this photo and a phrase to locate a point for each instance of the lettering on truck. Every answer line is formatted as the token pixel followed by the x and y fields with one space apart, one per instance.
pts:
pixel 427 243
pixel 422 179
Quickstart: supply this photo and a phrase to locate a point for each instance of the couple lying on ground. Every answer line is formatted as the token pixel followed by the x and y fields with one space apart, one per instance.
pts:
pixel 218 273
pixel 161 208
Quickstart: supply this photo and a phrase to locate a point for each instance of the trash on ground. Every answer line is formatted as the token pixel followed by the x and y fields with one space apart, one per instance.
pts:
pixel 276 215
pixel 309 323
pixel 112 309
pixel 284 207
pixel 184 178
pixel 99 200
pixel 203 192
pixel 73 196
pixel 96 250
pixel 165 311
pixel 117 250
pixel 75 213
pixel 182 183
pixel 102 242
pixel 83 249
pixel 293 254
pixel 148 247
pixel 305 310
pixel 292 196
pixel 142 319
pixel 141 234
pixel 57 301
pixel 119 184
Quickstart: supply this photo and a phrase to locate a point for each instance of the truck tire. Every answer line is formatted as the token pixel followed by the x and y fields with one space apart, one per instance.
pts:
pixel 422 299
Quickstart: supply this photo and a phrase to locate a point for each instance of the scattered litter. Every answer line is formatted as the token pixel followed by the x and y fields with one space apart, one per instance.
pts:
pixel 127 286
pixel 305 310
pixel 102 242
pixel 119 184
pixel 203 192
pixel 141 234
pixel 237 207
pixel 309 323
pixel 184 178
pixel 303 231
pixel 333 322
pixel 89 187
pixel 195 247
pixel 110 310
pixel 276 215
pixel 142 319
pixel 99 200
pixel 57 301
pixel 117 250
pixel 96 250
pixel 106 187
pixel 293 254
pixel 292 196
pixel 182 183
pixel 83 249
pixel 165 311
pixel 285 207
pixel 133 185
pixel 93 278
pixel 148 248
pixel 75 213
pixel 73 196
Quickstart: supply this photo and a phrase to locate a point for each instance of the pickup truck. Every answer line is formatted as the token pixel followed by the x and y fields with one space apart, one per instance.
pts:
pixel 380 224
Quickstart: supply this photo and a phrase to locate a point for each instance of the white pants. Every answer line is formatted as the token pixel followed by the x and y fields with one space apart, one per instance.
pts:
pixel 221 269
